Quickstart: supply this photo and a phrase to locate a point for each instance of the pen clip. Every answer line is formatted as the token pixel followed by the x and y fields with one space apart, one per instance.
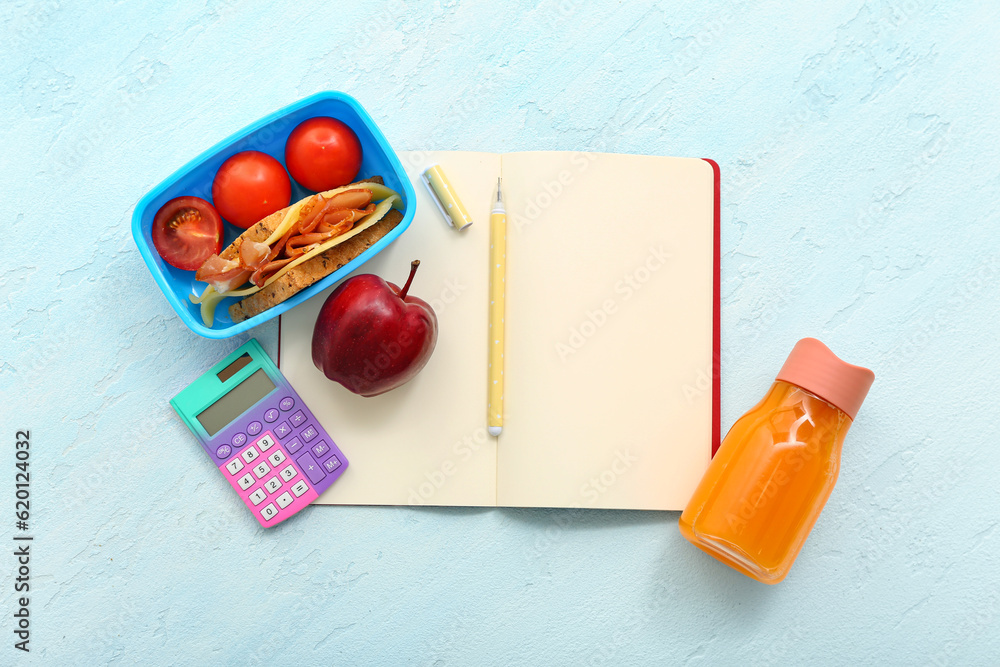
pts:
pixel 434 197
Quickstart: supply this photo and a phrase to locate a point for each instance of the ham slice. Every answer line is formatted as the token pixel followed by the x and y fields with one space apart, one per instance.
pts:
pixel 222 274
pixel 254 253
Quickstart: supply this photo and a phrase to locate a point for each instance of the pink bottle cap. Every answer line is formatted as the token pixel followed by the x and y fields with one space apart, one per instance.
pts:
pixel 815 368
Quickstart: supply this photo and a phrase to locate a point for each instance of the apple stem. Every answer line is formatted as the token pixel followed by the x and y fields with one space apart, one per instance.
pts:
pixel 413 269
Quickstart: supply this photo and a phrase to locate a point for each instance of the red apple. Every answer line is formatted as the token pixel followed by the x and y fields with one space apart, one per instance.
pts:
pixel 371 336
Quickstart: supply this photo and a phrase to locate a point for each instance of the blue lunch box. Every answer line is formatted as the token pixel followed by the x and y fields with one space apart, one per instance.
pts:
pixel 267 135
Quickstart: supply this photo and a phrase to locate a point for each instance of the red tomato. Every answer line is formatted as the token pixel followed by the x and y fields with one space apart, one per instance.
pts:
pixel 250 186
pixel 186 231
pixel 323 153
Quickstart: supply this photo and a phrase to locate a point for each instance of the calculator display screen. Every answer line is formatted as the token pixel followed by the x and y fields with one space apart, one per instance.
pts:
pixel 219 414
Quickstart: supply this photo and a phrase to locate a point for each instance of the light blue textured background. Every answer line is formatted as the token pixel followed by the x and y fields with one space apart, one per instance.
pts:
pixel 858 147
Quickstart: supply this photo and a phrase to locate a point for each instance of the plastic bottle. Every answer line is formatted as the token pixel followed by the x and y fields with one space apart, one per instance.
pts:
pixel 775 469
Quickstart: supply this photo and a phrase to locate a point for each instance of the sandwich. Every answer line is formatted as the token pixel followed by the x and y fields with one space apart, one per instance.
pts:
pixel 293 248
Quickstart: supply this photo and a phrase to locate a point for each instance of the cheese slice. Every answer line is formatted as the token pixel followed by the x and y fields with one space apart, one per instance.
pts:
pixel 378 191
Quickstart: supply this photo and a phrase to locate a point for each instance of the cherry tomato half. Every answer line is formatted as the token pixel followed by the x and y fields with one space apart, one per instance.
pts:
pixel 186 231
pixel 250 186
pixel 323 153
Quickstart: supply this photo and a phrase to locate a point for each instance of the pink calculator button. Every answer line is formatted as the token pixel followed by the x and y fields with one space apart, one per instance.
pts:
pixel 265 442
pixel 272 484
pixel 246 481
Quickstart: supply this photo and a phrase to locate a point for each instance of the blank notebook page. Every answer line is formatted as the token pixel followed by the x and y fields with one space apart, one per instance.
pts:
pixel 609 315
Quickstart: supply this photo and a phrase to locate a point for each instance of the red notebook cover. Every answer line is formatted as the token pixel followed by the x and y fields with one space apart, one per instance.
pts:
pixel 717 314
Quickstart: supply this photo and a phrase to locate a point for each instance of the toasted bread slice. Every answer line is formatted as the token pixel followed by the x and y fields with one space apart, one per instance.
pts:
pixel 315 269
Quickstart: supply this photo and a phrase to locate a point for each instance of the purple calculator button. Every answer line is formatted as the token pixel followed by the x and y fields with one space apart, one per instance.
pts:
pixel 239 440
pixel 309 466
pixel 224 451
pixel 299 418
pixel 321 449
pixel 282 429
pixel 293 445
pixel 286 404
pixel 271 416
pixel 309 433
pixel 331 464
pixel 253 428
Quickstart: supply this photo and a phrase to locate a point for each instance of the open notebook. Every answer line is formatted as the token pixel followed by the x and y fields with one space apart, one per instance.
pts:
pixel 611 335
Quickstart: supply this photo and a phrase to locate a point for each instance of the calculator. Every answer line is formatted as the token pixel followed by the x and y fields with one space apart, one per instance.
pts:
pixel 260 434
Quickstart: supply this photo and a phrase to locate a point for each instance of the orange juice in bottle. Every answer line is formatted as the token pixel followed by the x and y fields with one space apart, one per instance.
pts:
pixel 775 469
